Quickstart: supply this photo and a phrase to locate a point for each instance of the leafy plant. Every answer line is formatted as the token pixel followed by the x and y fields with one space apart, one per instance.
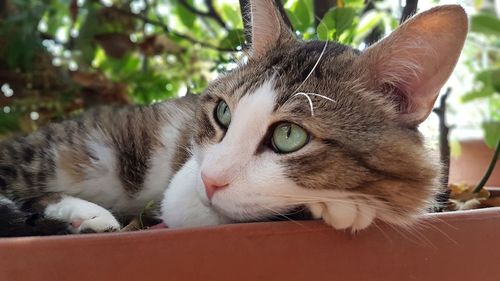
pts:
pixel 485 27
pixel 59 57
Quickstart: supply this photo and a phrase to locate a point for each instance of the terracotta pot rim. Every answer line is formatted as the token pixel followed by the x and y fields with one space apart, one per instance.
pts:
pixel 451 216
pixel 445 246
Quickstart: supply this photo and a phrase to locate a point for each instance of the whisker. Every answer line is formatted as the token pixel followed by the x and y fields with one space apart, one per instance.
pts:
pixel 387 237
pixel 436 228
pixel 314 67
pixel 398 231
pixel 309 99
pixel 321 96
pixel 414 231
pixel 282 215
pixel 301 199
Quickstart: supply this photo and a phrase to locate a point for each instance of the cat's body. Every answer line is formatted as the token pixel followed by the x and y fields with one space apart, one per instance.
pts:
pixel 310 125
pixel 118 158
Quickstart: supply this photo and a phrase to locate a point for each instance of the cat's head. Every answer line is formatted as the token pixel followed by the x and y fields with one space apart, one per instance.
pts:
pixel 324 126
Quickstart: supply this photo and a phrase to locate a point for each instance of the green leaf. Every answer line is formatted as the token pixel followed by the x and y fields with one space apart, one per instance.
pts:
pixel 231 13
pixel 495 79
pixel 354 3
pixel 491 133
pixel 235 37
pixel 186 17
pixel 476 95
pixel 368 22
pixel 335 22
pixel 485 24
pixel 494 107
pixel 489 81
pixel 478 4
pixel 85 40
pixel 23 43
pixel 8 122
pixel 301 15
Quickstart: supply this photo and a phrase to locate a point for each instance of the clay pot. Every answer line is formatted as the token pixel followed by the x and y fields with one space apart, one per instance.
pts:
pixel 472 163
pixel 444 246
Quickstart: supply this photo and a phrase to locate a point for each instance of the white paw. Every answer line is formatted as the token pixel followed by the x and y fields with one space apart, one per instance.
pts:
pixel 344 215
pixel 98 223
pixel 83 216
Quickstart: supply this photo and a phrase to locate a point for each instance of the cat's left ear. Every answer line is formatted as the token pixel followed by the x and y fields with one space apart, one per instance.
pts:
pixel 268 27
pixel 414 62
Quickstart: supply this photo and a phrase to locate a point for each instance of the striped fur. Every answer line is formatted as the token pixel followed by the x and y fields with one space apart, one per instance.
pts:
pixel 105 157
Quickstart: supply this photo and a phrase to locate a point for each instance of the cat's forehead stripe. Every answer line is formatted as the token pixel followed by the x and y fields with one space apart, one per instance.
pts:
pixel 255 108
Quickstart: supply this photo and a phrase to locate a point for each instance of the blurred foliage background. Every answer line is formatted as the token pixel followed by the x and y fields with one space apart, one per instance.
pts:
pixel 60 57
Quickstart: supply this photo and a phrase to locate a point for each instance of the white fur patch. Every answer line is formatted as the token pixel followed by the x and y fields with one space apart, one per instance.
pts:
pixel 82 215
pixel 101 183
pixel 252 178
pixel 5 201
pixel 160 171
pixel 251 118
pixel 185 203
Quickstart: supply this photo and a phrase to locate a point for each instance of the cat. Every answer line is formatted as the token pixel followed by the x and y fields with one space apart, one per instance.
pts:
pixel 311 126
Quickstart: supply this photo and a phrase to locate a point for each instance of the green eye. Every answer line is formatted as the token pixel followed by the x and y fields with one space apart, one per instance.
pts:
pixel 223 114
pixel 288 137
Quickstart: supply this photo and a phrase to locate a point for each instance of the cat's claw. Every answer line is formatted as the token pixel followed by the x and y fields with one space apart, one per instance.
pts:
pixel 343 215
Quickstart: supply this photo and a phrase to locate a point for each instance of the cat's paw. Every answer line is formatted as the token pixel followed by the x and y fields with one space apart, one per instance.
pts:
pixel 96 223
pixel 83 216
pixel 344 215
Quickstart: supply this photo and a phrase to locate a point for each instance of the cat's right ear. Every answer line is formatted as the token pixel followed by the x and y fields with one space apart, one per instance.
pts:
pixel 413 63
pixel 268 28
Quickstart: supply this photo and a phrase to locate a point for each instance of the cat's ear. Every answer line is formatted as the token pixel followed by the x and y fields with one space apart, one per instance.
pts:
pixel 268 27
pixel 414 62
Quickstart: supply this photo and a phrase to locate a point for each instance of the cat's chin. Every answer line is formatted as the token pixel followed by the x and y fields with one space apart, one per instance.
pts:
pixel 241 209
pixel 182 205
pixel 297 214
pixel 262 215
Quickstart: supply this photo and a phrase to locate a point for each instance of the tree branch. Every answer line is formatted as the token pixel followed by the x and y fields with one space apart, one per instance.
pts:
pixel 444 146
pixel 212 13
pixel 320 9
pixel 376 33
pixel 168 30
pixel 490 169
pixel 409 10
pixel 444 130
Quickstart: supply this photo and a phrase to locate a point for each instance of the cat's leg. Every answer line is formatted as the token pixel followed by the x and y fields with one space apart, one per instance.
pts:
pixel 185 203
pixel 343 215
pixel 82 216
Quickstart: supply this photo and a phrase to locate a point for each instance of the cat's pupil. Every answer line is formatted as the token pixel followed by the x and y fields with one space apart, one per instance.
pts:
pixel 288 131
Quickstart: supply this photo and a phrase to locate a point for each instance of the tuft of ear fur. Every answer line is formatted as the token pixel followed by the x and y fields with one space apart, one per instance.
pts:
pixel 414 62
pixel 269 30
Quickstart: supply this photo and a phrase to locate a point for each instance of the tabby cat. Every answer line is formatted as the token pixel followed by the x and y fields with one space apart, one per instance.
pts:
pixel 314 126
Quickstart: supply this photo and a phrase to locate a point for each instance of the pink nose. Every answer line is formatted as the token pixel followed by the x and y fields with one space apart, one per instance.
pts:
pixel 212 184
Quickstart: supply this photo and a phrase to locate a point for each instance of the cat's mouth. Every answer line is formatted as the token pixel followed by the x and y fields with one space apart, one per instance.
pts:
pixel 299 213
pixel 259 214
